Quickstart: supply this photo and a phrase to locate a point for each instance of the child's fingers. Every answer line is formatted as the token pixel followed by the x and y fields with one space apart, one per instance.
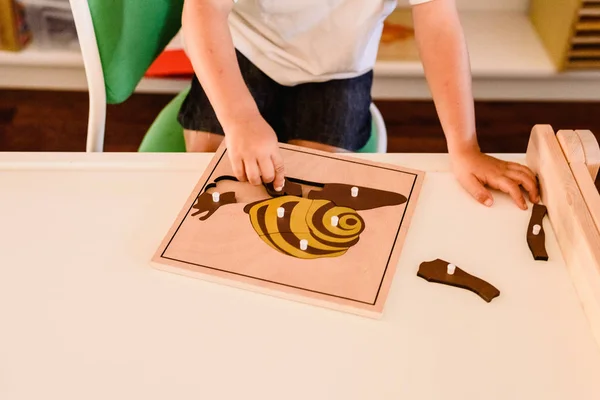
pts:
pixel 237 165
pixel 252 172
pixel 267 170
pixel 529 180
pixel 476 189
pixel 522 168
pixel 279 179
pixel 524 180
pixel 510 187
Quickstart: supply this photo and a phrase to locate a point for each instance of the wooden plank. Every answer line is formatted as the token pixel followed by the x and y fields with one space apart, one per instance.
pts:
pixel 571 146
pixel 554 20
pixel 591 149
pixel 574 152
pixel 590 12
pixel 587 26
pixel 574 227
pixel 585 53
pixel 581 64
pixel 585 40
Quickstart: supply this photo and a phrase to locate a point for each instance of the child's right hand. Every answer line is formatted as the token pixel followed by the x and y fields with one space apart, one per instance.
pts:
pixel 254 151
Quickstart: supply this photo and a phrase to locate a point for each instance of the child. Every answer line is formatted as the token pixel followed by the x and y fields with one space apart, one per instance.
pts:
pixel 300 71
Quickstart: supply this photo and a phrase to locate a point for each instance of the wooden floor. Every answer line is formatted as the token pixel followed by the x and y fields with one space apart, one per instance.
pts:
pixel 57 121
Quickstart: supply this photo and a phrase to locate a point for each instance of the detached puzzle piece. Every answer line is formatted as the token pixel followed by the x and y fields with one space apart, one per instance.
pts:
pixel 440 271
pixel 536 238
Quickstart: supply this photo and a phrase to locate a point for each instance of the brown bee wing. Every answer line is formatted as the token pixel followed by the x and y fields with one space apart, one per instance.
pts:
pixel 367 198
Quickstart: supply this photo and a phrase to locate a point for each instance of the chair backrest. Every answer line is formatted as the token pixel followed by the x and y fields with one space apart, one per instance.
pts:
pixel 130 35
pixel 119 40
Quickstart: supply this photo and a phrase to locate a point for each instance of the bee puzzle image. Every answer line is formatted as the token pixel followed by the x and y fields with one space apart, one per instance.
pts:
pixel 332 237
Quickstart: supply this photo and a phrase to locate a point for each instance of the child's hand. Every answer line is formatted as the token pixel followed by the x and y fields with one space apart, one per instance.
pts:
pixel 254 151
pixel 474 169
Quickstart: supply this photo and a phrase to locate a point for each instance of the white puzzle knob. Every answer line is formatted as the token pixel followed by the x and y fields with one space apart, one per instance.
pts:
pixel 335 220
pixel 451 269
pixel 536 229
pixel 280 212
pixel 354 191
pixel 303 244
pixel 216 197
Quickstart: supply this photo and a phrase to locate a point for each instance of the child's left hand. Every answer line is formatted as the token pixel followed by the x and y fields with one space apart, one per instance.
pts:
pixel 474 170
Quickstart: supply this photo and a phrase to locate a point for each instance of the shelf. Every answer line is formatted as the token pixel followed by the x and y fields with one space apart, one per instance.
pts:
pixel 501 44
pixel 37 56
pixel 508 61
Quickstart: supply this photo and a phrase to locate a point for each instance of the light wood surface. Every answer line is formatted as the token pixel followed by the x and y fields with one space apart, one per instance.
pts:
pixel 574 226
pixel 591 150
pixel 575 153
pixel 571 146
pixel 225 248
pixel 84 316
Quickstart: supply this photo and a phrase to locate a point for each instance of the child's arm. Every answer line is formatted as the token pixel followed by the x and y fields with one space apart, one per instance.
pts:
pixel 445 59
pixel 251 142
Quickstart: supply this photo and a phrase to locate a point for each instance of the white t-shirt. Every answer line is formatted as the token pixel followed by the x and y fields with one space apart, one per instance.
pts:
pixel 297 41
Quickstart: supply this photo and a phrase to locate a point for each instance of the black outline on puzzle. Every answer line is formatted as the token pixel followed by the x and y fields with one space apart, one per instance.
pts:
pixel 206 186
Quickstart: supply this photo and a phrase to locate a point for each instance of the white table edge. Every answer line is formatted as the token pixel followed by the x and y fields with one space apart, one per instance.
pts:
pixel 427 162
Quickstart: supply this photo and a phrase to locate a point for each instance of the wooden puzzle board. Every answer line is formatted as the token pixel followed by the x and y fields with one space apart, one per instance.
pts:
pixel 227 246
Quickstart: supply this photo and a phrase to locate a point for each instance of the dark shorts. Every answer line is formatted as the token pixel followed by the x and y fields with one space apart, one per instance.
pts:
pixel 334 113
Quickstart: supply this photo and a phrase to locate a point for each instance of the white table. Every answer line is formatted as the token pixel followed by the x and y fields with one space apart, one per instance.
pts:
pixel 84 316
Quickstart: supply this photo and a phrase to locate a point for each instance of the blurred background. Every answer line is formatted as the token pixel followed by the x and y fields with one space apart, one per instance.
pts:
pixel 533 62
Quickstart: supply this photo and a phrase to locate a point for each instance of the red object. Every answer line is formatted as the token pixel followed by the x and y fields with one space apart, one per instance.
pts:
pixel 171 64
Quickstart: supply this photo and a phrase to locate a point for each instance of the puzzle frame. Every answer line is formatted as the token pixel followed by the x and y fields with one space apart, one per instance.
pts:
pixel 348 284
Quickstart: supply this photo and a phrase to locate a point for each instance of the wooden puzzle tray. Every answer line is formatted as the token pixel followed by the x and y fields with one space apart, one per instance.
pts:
pixel 332 237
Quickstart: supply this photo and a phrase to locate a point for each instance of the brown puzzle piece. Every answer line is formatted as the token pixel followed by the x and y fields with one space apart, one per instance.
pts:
pixel 368 198
pixel 437 271
pixel 537 242
pixel 290 188
pixel 206 206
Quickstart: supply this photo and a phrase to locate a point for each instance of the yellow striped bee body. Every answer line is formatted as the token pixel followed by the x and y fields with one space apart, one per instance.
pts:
pixel 305 220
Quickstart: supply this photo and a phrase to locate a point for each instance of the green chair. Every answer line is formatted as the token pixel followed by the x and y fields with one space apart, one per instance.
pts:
pixel 119 41
pixel 166 135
